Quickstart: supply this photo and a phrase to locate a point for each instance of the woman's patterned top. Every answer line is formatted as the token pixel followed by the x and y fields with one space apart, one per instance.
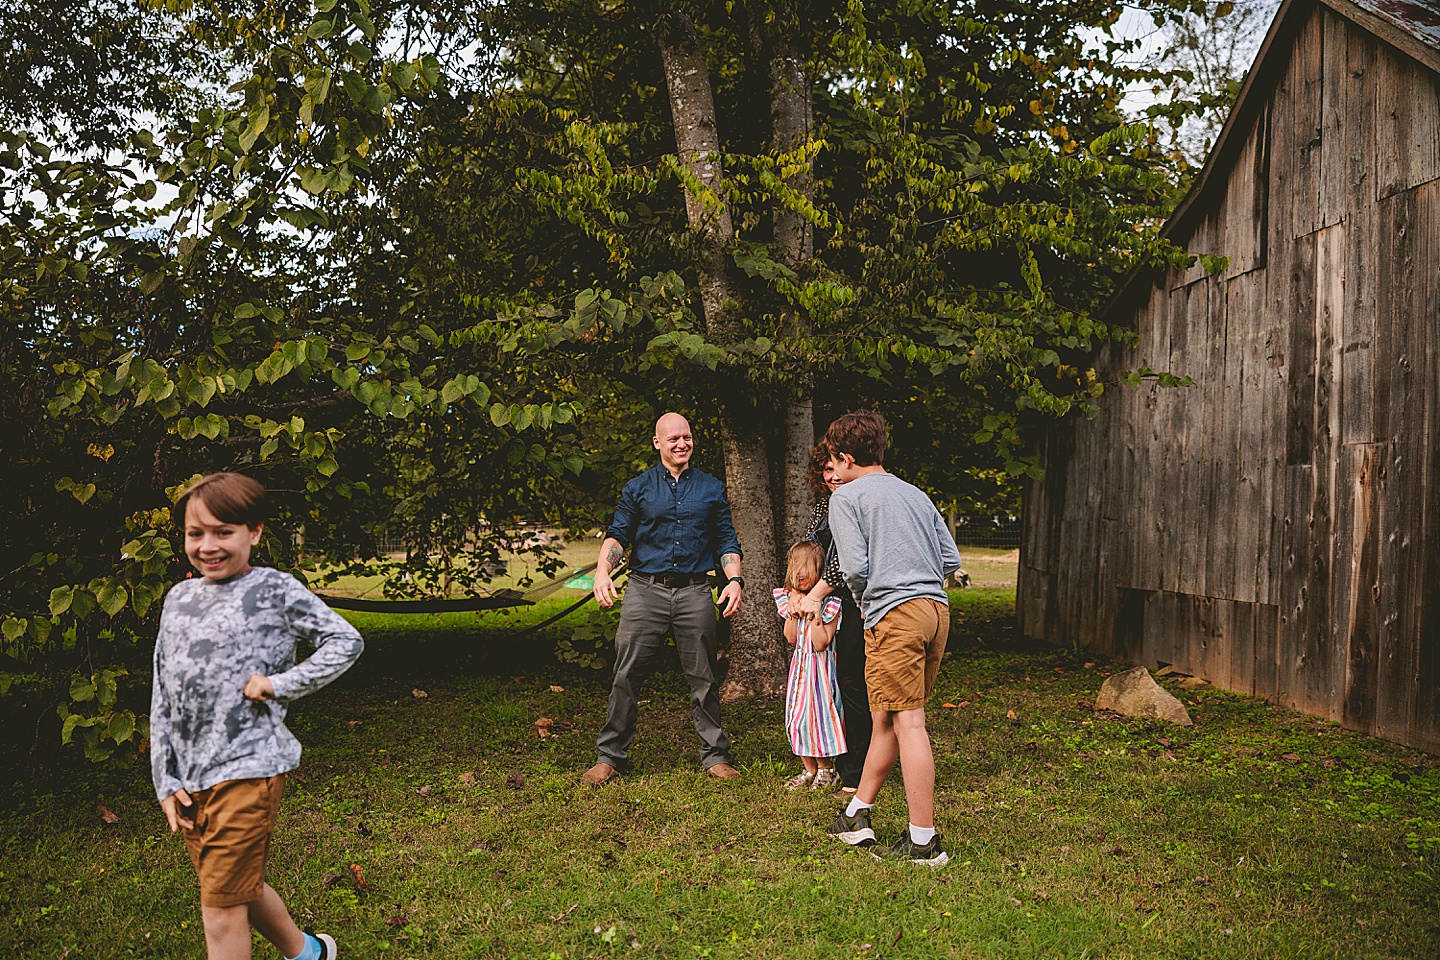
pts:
pixel 832 574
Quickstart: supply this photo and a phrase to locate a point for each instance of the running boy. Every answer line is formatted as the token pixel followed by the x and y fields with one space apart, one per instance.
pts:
pixel 895 552
pixel 224 672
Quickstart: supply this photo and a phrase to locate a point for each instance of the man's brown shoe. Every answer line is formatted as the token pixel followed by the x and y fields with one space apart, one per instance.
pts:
pixel 598 774
pixel 724 771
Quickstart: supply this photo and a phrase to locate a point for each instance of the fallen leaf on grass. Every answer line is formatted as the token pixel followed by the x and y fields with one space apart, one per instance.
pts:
pixel 361 829
pixel 556 688
pixel 332 878
pixel 424 791
pixel 1293 758
pixel 515 781
pixel 106 814
pixel 419 694
pixel 1009 714
pixel 395 921
pixel 1165 742
pixel 468 777
pixel 963 703
pixel 352 724
pixel 1090 665
pixel 950 706
pixel 359 876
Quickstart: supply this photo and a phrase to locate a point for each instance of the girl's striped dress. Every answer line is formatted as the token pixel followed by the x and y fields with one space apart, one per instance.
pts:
pixel 813 714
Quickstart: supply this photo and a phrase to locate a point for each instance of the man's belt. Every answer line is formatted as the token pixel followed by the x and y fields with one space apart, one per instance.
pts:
pixel 672 579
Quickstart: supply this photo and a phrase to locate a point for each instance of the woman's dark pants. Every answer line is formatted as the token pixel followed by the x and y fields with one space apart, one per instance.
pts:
pixel 850 665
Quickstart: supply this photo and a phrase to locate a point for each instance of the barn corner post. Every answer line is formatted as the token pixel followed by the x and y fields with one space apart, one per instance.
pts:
pixel 756 661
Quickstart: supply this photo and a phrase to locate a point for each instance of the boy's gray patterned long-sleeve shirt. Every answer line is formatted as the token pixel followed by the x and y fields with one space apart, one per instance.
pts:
pixel 213 637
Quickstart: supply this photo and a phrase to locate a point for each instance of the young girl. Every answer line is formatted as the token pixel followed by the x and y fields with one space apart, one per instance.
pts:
pixel 813 716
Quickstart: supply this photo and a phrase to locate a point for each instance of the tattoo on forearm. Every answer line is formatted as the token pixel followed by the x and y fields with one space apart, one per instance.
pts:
pixel 728 558
pixel 613 555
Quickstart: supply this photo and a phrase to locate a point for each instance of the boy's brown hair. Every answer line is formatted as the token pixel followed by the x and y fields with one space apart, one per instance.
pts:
pixel 231 497
pixel 861 434
pixel 807 556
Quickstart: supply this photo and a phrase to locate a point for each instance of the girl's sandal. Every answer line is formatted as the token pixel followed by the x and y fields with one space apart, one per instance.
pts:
pixel 801 779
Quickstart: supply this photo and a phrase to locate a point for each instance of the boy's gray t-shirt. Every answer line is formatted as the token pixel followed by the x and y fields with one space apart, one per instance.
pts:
pixel 213 637
pixel 892 542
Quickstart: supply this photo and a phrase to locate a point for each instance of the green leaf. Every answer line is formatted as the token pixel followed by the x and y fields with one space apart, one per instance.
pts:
pixel 111 597
pixel 122 725
pixel 82 603
pixel 320 28
pixel 357 351
pixel 83 491
pixel 12 629
pixel 82 689
pixel 60 599
pixel 499 414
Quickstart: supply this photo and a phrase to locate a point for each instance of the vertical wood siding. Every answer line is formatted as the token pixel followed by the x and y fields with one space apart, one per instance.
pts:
pixel 1276 528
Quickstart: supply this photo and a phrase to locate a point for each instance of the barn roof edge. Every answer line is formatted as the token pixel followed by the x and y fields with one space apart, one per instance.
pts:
pixel 1410 26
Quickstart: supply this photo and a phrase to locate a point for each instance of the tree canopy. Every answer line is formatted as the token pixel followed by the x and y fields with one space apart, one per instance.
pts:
pixel 430 270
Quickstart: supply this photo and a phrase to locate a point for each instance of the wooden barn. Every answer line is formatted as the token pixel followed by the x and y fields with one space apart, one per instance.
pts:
pixel 1275 529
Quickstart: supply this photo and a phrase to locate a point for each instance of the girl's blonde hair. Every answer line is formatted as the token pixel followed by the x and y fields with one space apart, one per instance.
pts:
pixel 805 557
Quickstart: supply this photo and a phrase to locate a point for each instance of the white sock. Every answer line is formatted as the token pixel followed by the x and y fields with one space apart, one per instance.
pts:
pixel 921 835
pixel 856 805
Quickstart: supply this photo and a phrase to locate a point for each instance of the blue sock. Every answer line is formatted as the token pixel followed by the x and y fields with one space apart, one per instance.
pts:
pixel 312 950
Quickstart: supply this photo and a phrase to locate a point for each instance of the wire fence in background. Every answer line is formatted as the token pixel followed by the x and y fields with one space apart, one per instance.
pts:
pixel 998 533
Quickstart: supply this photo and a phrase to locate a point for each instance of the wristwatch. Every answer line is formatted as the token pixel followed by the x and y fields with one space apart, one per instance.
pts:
pixel 739 580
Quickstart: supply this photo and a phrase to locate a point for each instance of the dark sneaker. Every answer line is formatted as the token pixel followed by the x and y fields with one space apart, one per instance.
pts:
pixel 855 830
pixel 908 851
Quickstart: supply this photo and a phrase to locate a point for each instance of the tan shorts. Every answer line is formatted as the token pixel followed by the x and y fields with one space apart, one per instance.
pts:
pixel 902 654
pixel 234 821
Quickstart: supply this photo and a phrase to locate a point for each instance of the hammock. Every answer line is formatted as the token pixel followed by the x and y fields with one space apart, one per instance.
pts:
pixel 499 600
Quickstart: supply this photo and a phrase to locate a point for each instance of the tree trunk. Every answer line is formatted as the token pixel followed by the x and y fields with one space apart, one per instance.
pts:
pixel 792 119
pixel 757 662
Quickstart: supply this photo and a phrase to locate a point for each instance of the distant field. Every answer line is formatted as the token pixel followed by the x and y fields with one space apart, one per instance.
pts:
pixel 987 568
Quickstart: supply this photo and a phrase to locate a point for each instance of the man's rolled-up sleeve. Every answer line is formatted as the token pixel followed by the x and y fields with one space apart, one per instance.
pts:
pixel 622 525
pixel 725 537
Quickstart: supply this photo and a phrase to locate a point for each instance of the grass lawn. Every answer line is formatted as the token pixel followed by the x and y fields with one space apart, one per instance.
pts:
pixel 1257 833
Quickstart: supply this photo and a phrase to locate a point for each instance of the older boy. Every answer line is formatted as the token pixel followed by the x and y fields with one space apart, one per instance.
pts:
pixel 895 552
pixel 224 672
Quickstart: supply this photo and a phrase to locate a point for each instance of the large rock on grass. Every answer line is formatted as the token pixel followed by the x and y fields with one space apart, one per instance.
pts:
pixel 1135 693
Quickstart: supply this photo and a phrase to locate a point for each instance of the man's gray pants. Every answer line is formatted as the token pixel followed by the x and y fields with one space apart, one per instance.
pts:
pixel 648 614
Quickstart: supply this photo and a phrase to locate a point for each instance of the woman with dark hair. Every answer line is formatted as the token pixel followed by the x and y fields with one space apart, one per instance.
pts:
pixel 850 637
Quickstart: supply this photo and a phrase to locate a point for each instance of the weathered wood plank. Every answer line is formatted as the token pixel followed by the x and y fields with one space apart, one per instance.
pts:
pixel 1295 599
pixel 1357 581
pixel 1253 451
pixel 1222 437
pixel 1267 645
pixel 1295 133
pixel 1401 369
pixel 1425 714
pixel 1244 211
pixel 1292 294
pixel 1407 125
pixel 1188 493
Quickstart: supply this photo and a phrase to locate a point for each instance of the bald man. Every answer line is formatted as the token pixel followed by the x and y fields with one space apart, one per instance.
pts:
pixel 676 523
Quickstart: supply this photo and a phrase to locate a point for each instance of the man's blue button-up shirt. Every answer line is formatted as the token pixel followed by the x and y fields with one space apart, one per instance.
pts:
pixel 674 526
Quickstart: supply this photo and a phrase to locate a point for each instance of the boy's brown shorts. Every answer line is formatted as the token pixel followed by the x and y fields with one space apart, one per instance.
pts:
pixel 902 654
pixel 234 821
